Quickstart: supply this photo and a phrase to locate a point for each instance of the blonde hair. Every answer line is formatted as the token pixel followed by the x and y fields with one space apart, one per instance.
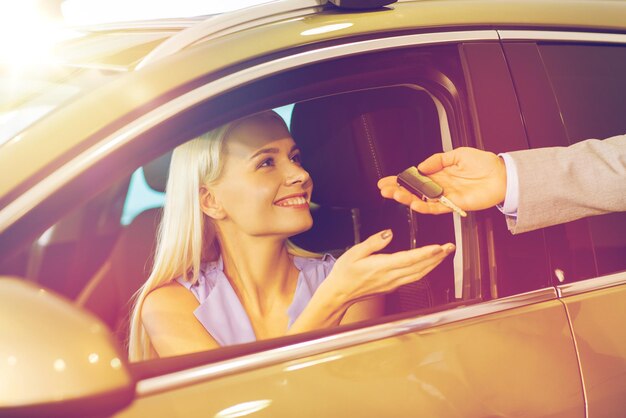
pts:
pixel 186 237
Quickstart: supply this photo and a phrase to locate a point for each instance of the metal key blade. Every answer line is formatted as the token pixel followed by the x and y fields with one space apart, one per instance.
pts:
pixel 448 203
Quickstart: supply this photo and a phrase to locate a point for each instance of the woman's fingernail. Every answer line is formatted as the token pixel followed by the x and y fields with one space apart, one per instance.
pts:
pixel 386 234
pixel 450 248
pixel 436 251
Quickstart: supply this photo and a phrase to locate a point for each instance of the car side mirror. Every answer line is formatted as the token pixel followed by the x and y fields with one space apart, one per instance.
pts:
pixel 56 359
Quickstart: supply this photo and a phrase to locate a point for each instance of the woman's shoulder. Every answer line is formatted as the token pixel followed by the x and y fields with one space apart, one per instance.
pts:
pixel 165 300
pixel 171 289
pixel 207 278
pixel 168 317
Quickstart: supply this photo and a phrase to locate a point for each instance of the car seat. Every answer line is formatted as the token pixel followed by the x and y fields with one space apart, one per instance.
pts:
pixel 348 143
pixel 109 292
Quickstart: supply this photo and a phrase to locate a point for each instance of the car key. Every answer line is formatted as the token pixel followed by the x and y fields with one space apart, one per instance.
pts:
pixel 424 187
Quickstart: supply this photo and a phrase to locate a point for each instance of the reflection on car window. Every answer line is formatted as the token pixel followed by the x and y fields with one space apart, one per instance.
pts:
pixel 590 87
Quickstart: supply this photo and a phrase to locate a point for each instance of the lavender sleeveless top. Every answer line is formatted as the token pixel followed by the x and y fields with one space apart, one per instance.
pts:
pixel 223 315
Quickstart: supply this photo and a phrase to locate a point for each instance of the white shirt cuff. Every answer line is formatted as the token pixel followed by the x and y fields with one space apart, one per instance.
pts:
pixel 511 198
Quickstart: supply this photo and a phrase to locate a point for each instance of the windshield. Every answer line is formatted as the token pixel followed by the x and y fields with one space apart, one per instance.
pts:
pixel 79 65
pixel 28 97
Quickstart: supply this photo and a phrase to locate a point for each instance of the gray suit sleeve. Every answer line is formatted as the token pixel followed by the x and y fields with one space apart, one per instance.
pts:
pixel 561 184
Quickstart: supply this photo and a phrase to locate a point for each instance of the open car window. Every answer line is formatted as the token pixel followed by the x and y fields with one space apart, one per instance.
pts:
pixel 352 130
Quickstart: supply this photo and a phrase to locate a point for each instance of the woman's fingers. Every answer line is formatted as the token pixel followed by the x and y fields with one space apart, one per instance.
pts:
pixel 404 267
pixel 371 245
pixel 413 258
pixel 410 274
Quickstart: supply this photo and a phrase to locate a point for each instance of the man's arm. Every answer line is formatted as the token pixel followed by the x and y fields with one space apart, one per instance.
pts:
pixel 561 184
pixel 554 185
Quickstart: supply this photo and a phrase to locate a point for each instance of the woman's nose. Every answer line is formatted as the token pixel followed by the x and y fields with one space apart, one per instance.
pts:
pixel 296 175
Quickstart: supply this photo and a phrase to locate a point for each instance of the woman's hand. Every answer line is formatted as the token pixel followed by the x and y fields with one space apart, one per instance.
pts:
pixel 360 273
pixel 471 178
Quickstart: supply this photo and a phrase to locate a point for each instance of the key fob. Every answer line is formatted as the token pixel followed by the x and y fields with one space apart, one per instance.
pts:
pixel 419 184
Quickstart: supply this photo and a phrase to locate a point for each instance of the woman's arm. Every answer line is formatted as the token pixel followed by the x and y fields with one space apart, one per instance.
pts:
pixel 369 308
pixel 167 315
pixel 360 273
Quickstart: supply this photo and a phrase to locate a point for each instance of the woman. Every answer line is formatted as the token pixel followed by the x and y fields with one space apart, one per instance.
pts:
pixel 224 272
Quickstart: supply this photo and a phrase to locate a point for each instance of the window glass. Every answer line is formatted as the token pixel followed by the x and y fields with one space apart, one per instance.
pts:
pixel 352 129
pixel 140 197
pixel 514 263
pixel 590 88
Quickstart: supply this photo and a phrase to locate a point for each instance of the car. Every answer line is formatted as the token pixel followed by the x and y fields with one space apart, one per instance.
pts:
pixel 525 325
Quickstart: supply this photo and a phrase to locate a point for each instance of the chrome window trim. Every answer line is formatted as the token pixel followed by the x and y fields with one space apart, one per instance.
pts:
pixel 589 285
pixel 134 25
pixel 539 35
pixel 35 195
pixel 176 380
pixel 223 24
pixel 97 66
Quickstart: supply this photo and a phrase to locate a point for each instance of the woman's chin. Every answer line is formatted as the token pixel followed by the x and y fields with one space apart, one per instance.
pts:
pixel 303 226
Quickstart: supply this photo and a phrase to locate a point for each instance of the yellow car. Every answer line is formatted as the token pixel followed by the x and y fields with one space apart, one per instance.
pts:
pixel 530 325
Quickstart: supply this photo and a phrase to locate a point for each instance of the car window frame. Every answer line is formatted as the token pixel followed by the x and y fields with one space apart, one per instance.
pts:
pixel 548 129
pixel 133 136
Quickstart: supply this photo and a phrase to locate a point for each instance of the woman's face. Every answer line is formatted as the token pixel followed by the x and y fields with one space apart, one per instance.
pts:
pixel 263 189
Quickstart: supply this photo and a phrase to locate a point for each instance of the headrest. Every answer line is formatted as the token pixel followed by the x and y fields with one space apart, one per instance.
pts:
pixel 156 172
pixel 350 141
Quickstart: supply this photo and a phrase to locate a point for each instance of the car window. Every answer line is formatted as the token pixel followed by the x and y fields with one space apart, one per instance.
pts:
pixel 568 93
pixel 590 88
pixel 100 252
pixel 512 264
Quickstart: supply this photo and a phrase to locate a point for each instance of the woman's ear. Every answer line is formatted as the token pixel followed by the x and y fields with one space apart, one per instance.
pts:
pixel 210 205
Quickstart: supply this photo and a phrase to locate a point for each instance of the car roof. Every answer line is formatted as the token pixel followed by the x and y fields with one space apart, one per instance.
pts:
pixel 87 115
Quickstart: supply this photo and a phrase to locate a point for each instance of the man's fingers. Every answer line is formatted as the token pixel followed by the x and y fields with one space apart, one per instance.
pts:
pixel 437 162
pixel 402 195
pixel 398 193
pixel 388 181
pixel 372 244
pixel 429 207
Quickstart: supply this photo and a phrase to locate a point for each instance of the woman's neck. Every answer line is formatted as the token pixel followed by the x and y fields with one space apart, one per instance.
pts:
pixel 260 270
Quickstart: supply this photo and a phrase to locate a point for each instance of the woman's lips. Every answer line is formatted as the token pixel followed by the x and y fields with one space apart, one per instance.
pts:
pixel 299 201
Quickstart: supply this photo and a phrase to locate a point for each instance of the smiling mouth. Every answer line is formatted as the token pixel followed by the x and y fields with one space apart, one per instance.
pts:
pixel 296 201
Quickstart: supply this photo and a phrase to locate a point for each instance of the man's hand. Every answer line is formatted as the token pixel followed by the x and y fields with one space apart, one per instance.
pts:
pixel 471 178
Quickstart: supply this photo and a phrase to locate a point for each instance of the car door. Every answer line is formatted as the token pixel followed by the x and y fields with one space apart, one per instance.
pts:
pixel 500 345
pixel 495 341
pixel 578 80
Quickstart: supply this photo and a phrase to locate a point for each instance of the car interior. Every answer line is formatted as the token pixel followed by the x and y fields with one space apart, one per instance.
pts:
pixel 348 142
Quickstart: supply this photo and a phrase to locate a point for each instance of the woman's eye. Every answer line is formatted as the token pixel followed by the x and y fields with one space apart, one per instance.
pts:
pixel 267 163
pixel 296 158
